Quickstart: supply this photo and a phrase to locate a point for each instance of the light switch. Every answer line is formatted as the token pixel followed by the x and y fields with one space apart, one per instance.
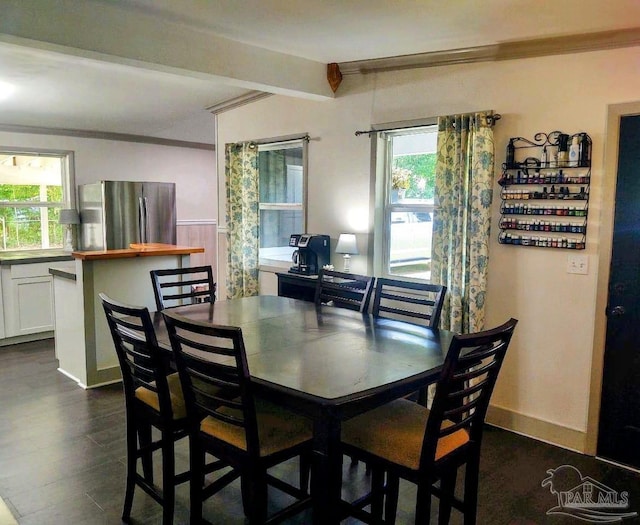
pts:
pixel 578 263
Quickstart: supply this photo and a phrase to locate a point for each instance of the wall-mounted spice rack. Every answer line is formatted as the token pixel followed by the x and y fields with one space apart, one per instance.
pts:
pixel 545 191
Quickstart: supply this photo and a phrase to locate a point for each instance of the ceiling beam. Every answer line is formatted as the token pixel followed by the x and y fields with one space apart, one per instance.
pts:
pixel 109 33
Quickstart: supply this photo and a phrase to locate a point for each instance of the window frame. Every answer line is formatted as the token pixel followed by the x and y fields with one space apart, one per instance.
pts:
pixel 67 163
pixel 286 143
pixel 382 158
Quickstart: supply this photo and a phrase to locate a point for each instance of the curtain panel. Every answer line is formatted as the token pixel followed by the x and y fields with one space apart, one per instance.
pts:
pixel 243 219
pixel 462 218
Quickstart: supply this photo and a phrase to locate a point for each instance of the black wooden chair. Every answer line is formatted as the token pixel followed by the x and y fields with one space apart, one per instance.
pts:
pixel 344 290
pixel 419 303
pixel 153 398
pixel 405 440
pixel 246 433
pixel 178 286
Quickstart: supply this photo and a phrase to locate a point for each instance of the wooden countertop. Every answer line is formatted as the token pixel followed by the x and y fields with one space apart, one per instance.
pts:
pixel 137 250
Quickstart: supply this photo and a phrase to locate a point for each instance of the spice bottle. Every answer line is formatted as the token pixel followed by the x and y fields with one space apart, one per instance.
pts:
pixel 574 151
pixel 511 154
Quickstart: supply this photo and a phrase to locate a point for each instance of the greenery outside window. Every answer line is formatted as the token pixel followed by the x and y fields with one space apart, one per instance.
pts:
pixel 406 201
pixel 282 182
pixel 34 187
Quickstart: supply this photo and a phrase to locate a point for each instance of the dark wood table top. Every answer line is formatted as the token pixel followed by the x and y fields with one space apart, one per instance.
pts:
pixel 330 355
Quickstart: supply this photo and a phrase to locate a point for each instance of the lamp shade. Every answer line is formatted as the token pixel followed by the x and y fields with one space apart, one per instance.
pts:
pixel 69 216
pixel 347 244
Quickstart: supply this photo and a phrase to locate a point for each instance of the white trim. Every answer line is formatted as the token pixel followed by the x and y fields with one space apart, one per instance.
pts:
pixel 536 428
pixel 106 135
pixel 237 102
pixel 72 377
pixel 188 222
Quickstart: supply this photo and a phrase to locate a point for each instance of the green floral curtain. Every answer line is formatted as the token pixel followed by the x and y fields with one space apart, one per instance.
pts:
pixel 462 219
pixel 241 170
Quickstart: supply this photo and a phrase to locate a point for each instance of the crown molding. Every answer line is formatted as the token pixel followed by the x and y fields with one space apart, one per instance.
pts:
pixel 233 103
pixel 502 51
pixel 107 135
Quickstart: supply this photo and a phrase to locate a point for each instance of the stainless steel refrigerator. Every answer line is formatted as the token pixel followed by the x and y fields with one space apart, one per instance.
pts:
pixel 115 214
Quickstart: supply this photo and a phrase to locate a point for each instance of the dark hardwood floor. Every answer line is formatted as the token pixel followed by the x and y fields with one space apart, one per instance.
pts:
pixel 62 456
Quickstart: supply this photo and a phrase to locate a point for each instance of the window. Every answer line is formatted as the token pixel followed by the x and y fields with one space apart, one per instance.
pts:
pixel 34 187
pixel 281 168
pixel 407 202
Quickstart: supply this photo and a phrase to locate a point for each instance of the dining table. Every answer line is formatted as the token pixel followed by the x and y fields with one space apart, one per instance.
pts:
pixel 327 363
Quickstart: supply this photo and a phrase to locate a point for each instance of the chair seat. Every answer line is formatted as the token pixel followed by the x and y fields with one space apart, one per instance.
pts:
pixel 395 432
pixel 149 397
pixel 278 429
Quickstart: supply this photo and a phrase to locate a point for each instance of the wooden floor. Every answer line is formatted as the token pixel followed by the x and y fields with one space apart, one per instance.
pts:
pixel 62 456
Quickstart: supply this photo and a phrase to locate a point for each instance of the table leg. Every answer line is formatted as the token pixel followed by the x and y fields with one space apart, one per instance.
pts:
pixel 326 479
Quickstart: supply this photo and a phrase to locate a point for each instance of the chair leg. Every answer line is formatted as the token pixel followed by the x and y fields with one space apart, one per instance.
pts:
pixel 448 488
pixel 423 504
pixel 144 433
pixel 377 492
pixel 305 469
pixel 132 461
pixel 196 485
pixel 168 477
pixel 254 495
pixel 391 507
pixel 471 477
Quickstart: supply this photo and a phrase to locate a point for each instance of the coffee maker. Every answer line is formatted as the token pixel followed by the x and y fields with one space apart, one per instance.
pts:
pixel 312 253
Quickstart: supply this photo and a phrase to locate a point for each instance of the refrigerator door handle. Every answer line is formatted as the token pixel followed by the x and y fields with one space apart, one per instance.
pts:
pixel 143 219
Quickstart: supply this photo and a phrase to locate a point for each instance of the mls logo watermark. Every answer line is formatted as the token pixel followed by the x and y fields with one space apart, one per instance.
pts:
pixel 585 498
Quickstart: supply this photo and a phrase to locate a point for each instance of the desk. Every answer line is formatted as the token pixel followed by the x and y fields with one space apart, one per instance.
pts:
pixel 297 286
pixel 327 363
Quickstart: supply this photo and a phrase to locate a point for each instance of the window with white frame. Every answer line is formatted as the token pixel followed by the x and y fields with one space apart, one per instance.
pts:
pixel 407 202
pixel 34 187
pixel 282 180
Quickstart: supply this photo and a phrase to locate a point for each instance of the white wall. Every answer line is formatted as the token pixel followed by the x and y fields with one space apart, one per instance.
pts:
pixel 546 377
pixel 193 170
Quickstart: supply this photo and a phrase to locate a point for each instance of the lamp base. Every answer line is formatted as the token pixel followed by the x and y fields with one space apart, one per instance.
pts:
pixel 68 240
pixel 347 262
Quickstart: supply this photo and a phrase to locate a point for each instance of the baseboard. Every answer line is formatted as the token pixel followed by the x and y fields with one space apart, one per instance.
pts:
pixel 539 429
pixel 104 376
pixel 26 338
pixel 72 377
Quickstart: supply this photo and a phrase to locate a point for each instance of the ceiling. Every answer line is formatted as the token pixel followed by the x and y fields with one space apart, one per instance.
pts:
pixel 110 74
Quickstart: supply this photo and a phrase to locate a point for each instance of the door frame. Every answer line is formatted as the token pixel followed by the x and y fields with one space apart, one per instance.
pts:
pixel 605 243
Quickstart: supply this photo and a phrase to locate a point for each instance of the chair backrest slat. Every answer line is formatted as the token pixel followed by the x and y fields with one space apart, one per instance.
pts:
pixel 178 286
pixel 465 386
pixel 344 290
pixel 142 362
pixel 213 369
pixel 409 301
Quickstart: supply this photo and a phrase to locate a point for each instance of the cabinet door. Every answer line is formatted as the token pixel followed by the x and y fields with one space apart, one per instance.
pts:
pixel 32 299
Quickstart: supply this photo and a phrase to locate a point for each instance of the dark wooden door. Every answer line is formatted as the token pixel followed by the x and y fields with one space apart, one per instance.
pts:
pixel 619 436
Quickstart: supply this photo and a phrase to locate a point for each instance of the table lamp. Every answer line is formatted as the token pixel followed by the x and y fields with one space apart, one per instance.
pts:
pixel 69 217
pixel 347 246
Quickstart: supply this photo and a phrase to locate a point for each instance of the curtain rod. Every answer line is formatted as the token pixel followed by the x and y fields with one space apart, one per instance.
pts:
pixel 277 140
pixel 491 120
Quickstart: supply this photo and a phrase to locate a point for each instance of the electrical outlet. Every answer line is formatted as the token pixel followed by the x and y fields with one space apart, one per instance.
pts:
pixel 578 264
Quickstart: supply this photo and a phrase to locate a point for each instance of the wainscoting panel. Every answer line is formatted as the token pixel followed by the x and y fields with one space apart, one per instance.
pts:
pixel 200 233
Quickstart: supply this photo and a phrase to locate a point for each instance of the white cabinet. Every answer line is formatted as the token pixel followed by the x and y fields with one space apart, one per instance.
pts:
pixel 27 296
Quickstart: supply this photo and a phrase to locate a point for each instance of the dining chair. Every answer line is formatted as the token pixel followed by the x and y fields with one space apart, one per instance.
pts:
pixel 178 286
pixel 344 290
pixel 405 440
pixel 248 434
pixel 153 398
pixel 419 303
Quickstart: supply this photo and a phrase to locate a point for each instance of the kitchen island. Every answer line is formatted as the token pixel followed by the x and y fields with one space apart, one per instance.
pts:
pixel 84 347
